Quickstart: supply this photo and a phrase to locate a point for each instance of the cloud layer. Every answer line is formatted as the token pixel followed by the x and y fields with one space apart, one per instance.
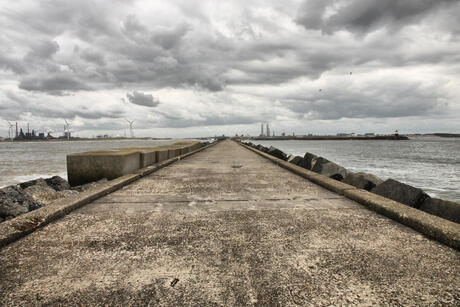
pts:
pixel 228 66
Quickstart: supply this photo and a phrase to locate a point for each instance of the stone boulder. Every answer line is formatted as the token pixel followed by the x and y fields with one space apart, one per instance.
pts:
pixel 273 151
pixel 295 159
pixel 308 161
pixel 57 183
pixel 401 192
pixel 14 201
pixel 43 193
pixel 362 180
pixel 327 168
pixel 448 210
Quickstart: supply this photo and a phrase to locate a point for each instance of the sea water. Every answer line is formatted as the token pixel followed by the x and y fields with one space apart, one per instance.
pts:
pixel 432 164
pixel 22 161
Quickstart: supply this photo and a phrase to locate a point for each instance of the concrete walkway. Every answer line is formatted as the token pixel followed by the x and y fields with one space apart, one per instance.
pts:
pixel 227 227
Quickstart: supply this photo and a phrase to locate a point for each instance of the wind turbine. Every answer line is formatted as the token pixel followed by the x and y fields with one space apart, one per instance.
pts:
pixel 131 122
pixel 10 130
pixel 68 125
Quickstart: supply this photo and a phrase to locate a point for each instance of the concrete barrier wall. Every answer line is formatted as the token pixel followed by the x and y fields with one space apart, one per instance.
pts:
pixel 147 155
pixel 161 154
pixel 92 166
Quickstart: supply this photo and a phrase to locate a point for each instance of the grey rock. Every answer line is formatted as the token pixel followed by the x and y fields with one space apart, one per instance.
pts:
pixel 295 159
pixel 401 192
pixel 308 159
pixel 448 210
pixel 58 183
pixel 273 151
pixel 14 201
pixel 362 180
pixel 327 168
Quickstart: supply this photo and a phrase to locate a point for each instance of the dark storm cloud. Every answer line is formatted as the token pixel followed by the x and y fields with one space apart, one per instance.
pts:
pixel 146 100
pixel 9 63
pixel 207 119
pixel 93 57
pixel 240 50
pixel 43 50
pixel 394 99
pixel 59 84
pixel 24 105
pixel 363 16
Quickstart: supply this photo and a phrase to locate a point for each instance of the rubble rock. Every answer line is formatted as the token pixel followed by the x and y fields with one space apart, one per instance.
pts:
pixel 58 183
pixel 401 192
pixel 448 210
pixel 14 201
pixel 362 180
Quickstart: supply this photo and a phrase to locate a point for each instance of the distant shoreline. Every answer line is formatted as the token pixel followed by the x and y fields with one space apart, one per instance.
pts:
pixel 331 138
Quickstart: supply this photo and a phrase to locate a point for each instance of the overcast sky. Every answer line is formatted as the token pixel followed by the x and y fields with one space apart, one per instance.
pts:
pixel 196 68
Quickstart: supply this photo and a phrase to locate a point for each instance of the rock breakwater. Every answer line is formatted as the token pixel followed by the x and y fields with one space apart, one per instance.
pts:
pixel 390 188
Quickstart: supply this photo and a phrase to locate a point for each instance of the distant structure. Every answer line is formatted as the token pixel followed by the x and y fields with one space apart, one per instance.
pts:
pixel 261 129
pixel 267 129
pixel 396 132
pixel 67 129
pixel 131 131
pixel 10 130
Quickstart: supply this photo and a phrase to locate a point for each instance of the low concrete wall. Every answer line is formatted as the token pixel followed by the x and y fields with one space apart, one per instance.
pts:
pixel 147 155
pixel 161 154
pixel 92 166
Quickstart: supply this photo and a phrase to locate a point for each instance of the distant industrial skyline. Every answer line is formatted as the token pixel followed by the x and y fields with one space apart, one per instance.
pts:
pixel 200 68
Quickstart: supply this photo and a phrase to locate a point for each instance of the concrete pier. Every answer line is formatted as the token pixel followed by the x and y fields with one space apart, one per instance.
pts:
pixel 227 227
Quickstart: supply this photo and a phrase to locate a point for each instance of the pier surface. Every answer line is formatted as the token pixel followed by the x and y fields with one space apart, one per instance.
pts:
pixel 227 227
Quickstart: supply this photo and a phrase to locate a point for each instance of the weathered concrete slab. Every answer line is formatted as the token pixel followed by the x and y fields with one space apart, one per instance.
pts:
pixel 273 239
pixel 93 166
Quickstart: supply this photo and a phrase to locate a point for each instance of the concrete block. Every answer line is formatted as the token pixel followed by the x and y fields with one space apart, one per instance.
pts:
pixel 295 159
pixel 307 161
pixel 329 169
pixel 362 180
pixel 92 166
pixel 161 154
pixel 448 210
pixel 401 192
pixel 147 155
pixel 277 153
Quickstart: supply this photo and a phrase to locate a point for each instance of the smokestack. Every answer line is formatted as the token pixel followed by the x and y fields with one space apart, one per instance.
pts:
pixel 16 129
pixel 28 128
pixel 261 129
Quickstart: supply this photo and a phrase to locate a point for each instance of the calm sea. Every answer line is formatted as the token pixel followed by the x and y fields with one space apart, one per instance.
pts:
pixel 22 161
pixel 432 164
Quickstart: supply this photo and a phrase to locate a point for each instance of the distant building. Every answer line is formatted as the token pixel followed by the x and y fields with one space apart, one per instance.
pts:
pixel 369 134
